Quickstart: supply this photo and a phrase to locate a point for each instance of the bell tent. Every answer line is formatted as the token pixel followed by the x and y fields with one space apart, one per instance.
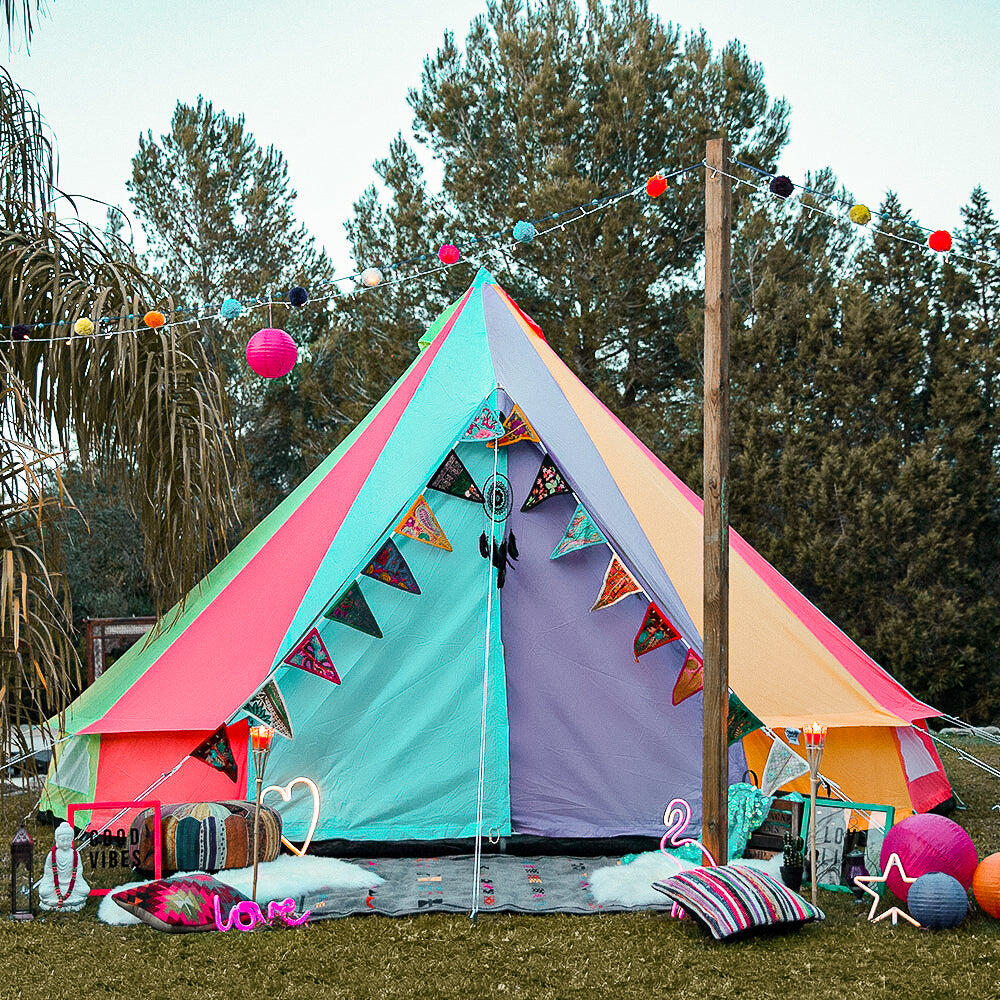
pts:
pixel 482 612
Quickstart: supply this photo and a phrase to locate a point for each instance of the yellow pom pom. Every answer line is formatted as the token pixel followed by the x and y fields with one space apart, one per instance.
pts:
pixel 154 319
pixel 83 327
pixel 860 215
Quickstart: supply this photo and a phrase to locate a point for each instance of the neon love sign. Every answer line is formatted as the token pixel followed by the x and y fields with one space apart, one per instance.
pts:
pixel 246 915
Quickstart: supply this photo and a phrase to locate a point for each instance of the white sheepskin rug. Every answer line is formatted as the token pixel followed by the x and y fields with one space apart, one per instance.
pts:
pixel 632 884
pixel 286 876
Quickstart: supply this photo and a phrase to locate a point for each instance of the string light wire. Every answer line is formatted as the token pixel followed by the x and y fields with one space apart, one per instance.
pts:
pixel 598 204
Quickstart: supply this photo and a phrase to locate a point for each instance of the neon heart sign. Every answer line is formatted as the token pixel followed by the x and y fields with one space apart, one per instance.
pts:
pixel 285 791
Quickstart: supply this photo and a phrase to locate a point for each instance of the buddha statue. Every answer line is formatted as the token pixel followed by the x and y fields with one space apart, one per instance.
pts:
pixel 62 885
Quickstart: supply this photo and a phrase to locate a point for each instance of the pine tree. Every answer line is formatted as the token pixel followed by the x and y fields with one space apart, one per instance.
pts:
pixel 217 210
pixel 546 107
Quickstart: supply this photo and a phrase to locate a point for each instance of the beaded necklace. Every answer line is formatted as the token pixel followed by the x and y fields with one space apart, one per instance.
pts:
pixel 60 896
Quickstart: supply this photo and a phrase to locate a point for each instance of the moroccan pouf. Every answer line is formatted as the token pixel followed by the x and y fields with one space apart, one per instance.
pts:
pixel 205 836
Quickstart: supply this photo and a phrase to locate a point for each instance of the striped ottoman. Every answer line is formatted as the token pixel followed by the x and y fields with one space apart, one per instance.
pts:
pixel 205 836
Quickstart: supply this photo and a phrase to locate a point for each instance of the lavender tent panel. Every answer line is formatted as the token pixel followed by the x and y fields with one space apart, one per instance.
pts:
pixel 523 375
pixel 596 748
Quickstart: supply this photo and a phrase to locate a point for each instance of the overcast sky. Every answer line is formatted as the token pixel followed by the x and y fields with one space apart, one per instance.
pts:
pixel 891 94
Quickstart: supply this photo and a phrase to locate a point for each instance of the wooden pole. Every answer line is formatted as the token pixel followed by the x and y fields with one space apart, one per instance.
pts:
pixel 718 252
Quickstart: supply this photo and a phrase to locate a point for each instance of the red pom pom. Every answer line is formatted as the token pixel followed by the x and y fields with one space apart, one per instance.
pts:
pixel 940 240
pixel 272 353
pixel 449 254
pixel 656 185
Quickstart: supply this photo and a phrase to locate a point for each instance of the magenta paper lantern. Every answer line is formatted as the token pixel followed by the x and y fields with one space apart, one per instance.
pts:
pixel 927 842
pixel 272 353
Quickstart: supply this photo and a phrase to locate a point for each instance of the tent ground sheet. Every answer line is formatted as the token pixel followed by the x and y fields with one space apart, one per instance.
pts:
pixel 550 884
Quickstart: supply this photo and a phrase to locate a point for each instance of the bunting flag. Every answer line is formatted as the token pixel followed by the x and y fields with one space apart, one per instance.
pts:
pixel 311 655
pixel 352 609
pixel 654 632
pixel 783 766
pixel 742 722
pixel 580 533
pixel 421 524
pixel 548 483
pixel 617 585
pixel 689 680
pixel 269 707
pixel 486 427
pixel 453 478
pixel 390 567
pixel 216 752
pixel 516 428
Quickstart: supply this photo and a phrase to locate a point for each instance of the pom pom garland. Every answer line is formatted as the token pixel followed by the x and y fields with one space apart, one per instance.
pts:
pixel 860 214
pixel 298 296
pixel 231 308
pixel 524 232
pixel 940 240
pixel 656 185
pixel 271 353
pixel 370 277
pixel 781 186
pixel 449 254
pixel 154 320
pixel 83 327
pixel 20 331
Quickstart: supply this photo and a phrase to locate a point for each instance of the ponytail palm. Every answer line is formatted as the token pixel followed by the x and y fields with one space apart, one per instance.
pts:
pixel 144 408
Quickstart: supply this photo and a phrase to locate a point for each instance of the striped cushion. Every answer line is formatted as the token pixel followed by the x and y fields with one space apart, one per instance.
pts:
pixel 736 900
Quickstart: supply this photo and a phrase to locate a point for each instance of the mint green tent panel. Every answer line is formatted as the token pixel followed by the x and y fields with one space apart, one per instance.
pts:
pixel 395 747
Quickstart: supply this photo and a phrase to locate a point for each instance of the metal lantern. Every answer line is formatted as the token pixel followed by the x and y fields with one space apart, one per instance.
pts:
pixel 22 875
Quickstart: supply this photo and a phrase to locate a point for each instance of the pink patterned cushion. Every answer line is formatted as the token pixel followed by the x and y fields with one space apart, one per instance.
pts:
pixel 179 905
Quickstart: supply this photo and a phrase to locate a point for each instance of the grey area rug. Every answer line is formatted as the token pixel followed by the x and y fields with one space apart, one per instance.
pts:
pixel 444 885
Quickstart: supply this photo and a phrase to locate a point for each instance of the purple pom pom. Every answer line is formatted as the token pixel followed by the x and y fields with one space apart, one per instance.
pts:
pixel 781 186
pixel 20 331
pixel 298 296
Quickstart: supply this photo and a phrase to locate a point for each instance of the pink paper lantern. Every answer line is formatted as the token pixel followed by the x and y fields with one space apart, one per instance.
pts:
pixel 927 842
pixel 272 353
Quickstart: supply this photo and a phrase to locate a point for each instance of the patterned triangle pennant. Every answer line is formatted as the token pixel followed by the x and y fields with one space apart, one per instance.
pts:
pixel 516 428
pixel 783 766
pixel 311 655
pixel 742 722
pixel 617 585
pixel 390 567
pixel 421 524
pixel 215 751
pixel 580 533
pixel 486 426
pixel 453 478
pixel 352 609
pixel 689 680
pixel 654 632
pixel 548 483
pixel 269 707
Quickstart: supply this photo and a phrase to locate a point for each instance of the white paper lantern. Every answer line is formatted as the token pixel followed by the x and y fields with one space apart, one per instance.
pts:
pixel 371 276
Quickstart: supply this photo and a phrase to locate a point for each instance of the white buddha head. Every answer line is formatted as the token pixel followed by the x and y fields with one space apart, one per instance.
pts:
pixel 64 837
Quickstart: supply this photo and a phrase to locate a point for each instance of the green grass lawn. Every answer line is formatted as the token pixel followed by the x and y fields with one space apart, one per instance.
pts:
pixel 438 956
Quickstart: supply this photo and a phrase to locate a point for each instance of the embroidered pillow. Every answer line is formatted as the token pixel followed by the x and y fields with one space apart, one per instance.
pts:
pixel 735 900
pixel 179 905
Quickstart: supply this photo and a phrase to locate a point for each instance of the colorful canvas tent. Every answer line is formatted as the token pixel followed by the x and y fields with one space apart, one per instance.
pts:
pixel 366 599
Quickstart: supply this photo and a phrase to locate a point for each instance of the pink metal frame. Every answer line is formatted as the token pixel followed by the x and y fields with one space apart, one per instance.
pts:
pixel 146 804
